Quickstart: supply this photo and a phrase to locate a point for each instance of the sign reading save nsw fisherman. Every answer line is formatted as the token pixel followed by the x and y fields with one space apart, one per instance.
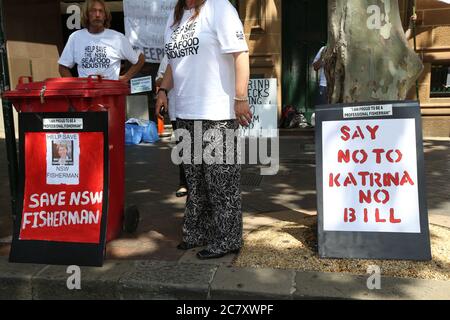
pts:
pixel 370 182
pixel 60 203
pixel 63 210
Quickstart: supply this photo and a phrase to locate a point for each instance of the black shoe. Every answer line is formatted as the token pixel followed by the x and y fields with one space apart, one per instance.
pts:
pixel 206 254
pixel 181 192
pixel 187 246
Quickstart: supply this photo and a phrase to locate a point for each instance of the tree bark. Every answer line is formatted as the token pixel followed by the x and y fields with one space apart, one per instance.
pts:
pixel 368 57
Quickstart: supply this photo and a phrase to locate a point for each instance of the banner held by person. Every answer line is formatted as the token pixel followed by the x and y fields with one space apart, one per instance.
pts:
pixel 145 23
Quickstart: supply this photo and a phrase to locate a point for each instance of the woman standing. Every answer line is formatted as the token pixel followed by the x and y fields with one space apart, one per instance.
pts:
pixel 209 72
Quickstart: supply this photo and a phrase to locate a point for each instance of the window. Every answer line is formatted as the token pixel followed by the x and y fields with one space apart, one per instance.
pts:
pixel 440 81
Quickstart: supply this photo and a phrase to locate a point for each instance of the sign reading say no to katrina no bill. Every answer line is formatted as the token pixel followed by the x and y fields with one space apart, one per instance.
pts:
pixel 370 182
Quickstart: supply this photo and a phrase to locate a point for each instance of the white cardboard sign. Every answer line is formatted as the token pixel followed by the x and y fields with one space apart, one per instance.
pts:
pixel 373 111
pixel 263 97
pixel 370 180
pixel 145 23
pixel 63 159
pixel 62 124
pixel 142 84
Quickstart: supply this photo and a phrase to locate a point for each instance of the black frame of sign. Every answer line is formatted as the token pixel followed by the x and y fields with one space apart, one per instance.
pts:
pixel 373 245
pixel 60 253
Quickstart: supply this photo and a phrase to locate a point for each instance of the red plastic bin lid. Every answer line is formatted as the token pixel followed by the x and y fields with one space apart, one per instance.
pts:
pixel 94 86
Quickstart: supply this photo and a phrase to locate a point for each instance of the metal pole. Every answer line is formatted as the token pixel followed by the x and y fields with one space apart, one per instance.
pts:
pixel 8 120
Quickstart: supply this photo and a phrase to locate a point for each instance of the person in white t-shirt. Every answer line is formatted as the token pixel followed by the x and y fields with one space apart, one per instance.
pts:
pixel 322 97
pixel 98 50
pixel 208 72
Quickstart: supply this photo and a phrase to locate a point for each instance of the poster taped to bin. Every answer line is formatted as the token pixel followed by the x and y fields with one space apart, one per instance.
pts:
pixel 55 207
pixel 62 212
pixel 63 159
pixel 63 124
pixel 371 197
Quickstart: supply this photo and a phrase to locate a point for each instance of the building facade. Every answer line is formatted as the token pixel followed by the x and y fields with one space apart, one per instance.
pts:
pixel 433 46
pixel 283 36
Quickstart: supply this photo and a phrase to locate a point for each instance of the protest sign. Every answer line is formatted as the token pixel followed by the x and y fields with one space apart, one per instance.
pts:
pixel 63 189
pixel 371 197
pixel 145 23
pixel 263 101
pixel 142 84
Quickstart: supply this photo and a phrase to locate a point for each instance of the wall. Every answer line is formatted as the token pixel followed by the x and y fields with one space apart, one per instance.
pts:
pixel 34 50
pixel 433 45
pixel 262 24
pixel 433 41
pixel 34 36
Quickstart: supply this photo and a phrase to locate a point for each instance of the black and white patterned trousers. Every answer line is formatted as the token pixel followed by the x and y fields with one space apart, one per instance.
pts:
pixel 213 214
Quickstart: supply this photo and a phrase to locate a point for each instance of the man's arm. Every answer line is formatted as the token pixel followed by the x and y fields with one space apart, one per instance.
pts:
pixel 67 60
pixel 65 72
pixel 135 68
pixel 318 60
pixel 317 65
pixel 412 20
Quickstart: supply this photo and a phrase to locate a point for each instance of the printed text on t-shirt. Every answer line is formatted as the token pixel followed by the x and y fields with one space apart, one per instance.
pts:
pixel 183 42
pixel 95 57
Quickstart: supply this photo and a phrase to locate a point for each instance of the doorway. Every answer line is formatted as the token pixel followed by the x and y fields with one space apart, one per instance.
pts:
pixel 304 32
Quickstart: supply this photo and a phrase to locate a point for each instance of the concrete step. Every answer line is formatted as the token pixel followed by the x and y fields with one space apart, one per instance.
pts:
pixel 152 279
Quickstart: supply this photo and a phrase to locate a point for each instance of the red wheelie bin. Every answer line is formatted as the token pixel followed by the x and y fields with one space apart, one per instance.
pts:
pixel 92 94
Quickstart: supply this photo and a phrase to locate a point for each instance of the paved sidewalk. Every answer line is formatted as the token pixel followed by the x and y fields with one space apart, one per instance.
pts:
pixel 152 279
pixel 148 265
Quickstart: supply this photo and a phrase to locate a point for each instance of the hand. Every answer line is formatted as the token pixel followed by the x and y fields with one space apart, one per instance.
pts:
pixel 414 17
pixel 161 101
pixel 318 64
pixel 243 114
pixel 124 78
pixel 158 82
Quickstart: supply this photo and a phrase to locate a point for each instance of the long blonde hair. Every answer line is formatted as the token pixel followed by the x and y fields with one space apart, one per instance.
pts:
pixel 179 10
pixel 87 6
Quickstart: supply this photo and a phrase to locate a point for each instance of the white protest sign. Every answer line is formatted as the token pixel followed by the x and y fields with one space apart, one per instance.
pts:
pixel 63 159
pixel 263 101
pixel 145 23
pixel 370 179
pixel 62 124
pixel 368 111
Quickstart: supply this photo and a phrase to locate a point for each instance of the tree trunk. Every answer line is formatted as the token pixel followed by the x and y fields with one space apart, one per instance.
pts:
pixel 368 57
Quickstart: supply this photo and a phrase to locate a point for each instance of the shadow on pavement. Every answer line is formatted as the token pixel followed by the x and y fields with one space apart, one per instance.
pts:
pixel 151 181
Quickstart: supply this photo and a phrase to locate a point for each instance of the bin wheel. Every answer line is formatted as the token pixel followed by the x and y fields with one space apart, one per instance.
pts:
pixel 131 219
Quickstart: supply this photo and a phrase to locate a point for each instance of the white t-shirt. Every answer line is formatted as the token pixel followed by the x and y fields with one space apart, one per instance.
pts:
pixel 203 68
pixel 323 79
pixel 97 54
